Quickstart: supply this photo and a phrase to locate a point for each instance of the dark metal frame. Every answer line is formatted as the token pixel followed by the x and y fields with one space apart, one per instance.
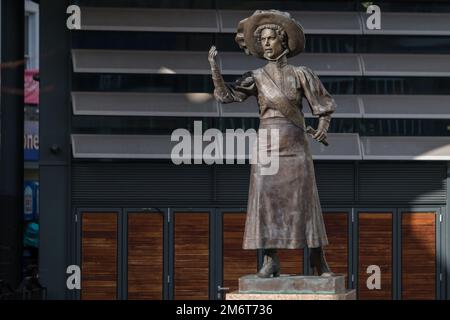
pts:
pixel 219 248
pixel 397 246
pixel 443 252
pixel 216 245
pixel 350 236
pixel 218 228
pixel 124 256
pixel 438 243
pixel 357 211
pixel 122 245
pixel 171 248
pixel 446 239
pixel 77 223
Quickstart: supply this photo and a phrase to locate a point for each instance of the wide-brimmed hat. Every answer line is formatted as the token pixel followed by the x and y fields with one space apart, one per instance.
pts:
pixel 247 40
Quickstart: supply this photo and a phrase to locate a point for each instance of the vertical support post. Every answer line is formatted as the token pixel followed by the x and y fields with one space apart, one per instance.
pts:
pixel 11 141
pixel 55 153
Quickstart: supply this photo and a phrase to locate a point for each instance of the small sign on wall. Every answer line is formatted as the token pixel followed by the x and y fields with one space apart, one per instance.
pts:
pixel 31 141
pixel 31 200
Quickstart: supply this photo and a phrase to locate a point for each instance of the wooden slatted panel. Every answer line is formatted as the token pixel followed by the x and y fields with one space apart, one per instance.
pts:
pixel 191 257
pixel 375 248
pixel 396 182
pixel 291 261
pixel 99 256
pixel 336 252
pixel 237 262
pixel 418 255
pixel 145 256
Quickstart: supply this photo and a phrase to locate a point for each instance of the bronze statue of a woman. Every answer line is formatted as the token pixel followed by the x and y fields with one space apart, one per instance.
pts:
pixel 283 209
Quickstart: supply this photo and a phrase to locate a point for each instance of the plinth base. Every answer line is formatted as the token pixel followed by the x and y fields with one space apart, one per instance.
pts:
pixel 348 295
pixel 292 284
pixel 292 287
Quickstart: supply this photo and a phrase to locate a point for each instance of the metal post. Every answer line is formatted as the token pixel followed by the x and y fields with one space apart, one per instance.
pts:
pixel 11 143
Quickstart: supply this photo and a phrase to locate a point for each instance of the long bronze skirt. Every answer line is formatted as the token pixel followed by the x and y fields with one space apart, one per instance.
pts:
pixel 284 208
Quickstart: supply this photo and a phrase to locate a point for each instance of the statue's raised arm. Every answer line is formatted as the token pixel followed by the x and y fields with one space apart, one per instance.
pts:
pixel 238 91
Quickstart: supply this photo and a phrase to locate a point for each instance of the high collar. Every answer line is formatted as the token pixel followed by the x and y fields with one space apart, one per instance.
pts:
pixel 279 61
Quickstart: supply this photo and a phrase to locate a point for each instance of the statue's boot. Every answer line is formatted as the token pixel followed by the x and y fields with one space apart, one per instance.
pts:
pixel 318 262
pixel 271 264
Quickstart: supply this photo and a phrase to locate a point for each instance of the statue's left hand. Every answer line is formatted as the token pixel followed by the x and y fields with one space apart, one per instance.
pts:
pixel 322 129
pixel 320 134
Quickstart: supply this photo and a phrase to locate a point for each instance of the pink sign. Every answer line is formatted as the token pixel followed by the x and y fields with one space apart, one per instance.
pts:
pixel 31 87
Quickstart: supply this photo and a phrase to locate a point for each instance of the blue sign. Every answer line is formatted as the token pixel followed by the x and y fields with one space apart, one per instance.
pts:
pixel 30 200
pixel 31 141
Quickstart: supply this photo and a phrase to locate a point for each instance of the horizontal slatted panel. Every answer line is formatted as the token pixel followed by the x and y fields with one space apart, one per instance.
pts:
pixel 173 62
pixel 342 146
pixel 232 184
pixel 335 182
pixel 139 61
pixel 237 262
pixel 188 104
pixel 418 255
pixel 143 19
pixel 348 107
pixel 424 148
pixel 193 104
pixel 188 20
pixel 140 184
pixel 313 22
pixel 407 65
pixel 235 63
pixel 145 256
pixel 99 256
pixel 406 106
pixel 375 248
pixel 404 182
pixel 191 256
pixel 324 64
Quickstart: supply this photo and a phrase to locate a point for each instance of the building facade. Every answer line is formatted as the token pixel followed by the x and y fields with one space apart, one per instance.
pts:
pixel 141 227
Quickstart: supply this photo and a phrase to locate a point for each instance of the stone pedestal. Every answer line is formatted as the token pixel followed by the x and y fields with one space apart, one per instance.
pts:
pixel 288 287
